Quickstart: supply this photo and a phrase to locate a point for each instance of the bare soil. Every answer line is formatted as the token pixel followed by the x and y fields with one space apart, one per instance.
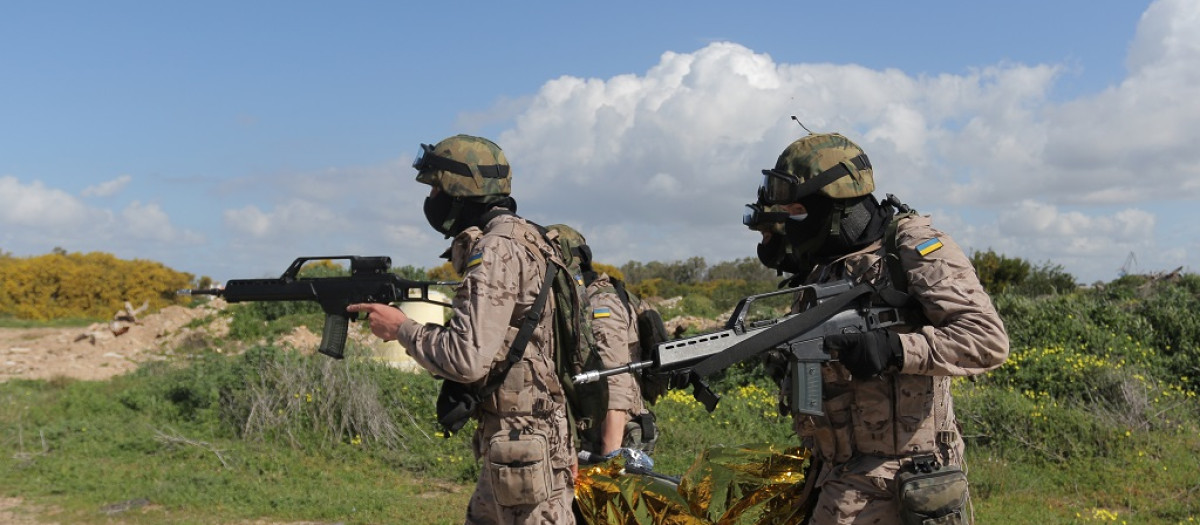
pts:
pixel 95 353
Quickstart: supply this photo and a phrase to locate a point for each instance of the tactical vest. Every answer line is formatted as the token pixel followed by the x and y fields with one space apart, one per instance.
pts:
pixel 892 415
pixel 521 382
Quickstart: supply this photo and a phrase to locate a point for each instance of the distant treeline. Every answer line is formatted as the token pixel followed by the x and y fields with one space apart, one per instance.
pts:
pixel 95 285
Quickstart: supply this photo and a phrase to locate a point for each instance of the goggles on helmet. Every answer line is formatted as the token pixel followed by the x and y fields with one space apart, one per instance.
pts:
pixel 780 187
pixel 754 216
pixel 428 160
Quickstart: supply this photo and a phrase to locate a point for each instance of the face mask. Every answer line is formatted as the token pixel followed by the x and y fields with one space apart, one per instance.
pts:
pixel 439 212
pixel 772 252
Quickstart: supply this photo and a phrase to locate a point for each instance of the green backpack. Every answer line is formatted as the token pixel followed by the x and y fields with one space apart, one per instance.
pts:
pixel 576 346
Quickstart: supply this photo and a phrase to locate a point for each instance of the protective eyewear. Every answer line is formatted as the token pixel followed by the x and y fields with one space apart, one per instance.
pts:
pixel 428 160
pixel 421 162
pixel 754 216
pixel 778 187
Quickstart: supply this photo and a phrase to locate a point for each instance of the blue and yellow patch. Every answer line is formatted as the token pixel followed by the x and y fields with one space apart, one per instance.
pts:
pixel 579 279
pixel 930 246
pixel 601 313
pixel 475 260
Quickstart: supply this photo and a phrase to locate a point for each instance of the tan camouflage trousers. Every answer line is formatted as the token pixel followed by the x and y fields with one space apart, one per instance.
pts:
pixel 848 497
pixel 851 498
pixel 483 509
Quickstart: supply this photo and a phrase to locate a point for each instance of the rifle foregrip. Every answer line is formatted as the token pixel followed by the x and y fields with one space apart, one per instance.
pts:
pixel 333 337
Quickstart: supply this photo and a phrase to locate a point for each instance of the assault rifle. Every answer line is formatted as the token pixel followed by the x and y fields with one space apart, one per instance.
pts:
pixel 834 308
pixel 369 282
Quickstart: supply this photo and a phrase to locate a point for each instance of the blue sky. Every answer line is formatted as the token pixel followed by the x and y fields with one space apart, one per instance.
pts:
pixel 226 138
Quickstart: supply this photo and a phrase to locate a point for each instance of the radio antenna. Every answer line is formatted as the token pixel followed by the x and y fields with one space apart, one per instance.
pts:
pixel 802 124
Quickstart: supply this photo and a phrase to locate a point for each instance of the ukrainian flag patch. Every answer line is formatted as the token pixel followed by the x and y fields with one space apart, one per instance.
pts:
pixel 579 279
pixel 475 260
pixel 601 313
pixel 930 246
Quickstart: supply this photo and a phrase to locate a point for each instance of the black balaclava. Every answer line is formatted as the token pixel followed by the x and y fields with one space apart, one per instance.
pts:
pixel 773 252
pixel 451 215
pixel 835 227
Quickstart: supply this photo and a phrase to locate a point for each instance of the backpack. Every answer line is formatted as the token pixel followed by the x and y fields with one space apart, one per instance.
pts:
pixel 576 350
pixel 575 346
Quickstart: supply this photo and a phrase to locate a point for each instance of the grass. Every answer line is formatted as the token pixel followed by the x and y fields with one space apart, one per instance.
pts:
pixel 77 449
pixel 163 435
pixel 1152 481
pixel 1094 419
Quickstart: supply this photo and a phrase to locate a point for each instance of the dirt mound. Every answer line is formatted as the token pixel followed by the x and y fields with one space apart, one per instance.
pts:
pixel 95 353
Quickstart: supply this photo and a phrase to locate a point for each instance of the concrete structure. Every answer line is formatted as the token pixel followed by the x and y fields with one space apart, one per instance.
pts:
pixel 392 352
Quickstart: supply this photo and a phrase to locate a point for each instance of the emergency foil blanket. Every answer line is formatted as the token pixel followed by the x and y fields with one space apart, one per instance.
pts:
pixel 757 484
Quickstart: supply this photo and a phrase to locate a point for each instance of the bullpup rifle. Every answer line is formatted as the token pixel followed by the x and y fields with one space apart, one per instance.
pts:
pixel 833 308
pixel 369 282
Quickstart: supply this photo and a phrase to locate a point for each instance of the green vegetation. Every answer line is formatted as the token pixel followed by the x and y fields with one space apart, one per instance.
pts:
pixel 1094 418
pixel 87 286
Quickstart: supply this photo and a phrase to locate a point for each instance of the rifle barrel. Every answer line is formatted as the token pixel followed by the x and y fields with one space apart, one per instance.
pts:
pixel 591 376
pixel 202 291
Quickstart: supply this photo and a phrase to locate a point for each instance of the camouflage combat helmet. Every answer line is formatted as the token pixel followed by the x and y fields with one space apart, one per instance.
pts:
pixel 820 163
pixel 465 166
pixel 575 249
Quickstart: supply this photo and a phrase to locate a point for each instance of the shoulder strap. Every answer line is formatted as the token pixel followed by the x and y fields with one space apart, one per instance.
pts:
pixel 619 286
pixel 897 294
pixel 516 351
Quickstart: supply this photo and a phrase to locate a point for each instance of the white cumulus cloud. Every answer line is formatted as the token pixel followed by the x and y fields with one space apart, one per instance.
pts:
pixel 35 205
pixel 658 164
pixel 107 188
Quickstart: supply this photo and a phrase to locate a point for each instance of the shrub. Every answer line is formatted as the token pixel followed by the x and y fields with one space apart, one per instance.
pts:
pixel 93 285
pixel 997 273
pixel 278 396
pixel 1031 425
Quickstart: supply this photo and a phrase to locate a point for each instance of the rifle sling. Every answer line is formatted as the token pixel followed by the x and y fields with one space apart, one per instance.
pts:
pixel 776 335
pixel 516 351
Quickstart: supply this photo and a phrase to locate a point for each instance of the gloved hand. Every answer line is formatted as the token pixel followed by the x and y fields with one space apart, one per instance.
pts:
pixel 867 354
pixel 656 384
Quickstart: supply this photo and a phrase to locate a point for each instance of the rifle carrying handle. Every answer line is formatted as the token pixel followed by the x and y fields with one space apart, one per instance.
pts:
pixel 333 337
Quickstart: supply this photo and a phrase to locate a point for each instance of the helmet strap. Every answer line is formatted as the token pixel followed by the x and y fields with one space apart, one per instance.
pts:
pixel 842 169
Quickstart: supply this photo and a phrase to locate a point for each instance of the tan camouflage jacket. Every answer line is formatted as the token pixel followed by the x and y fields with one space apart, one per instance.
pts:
pixel 503 268
pixel 910 411
pixel 614 324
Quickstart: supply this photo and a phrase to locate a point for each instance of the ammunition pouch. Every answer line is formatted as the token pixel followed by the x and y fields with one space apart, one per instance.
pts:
pixel 456 403
pixel 641 433
pixel 518 466
pixel 931 493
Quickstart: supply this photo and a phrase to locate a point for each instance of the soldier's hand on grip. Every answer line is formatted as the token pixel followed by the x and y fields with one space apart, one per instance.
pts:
pixel 866 354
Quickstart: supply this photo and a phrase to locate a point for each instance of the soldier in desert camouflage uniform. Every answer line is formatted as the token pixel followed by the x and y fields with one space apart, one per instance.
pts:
pixel 625 421
pixel 888 414
pixel 527 476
